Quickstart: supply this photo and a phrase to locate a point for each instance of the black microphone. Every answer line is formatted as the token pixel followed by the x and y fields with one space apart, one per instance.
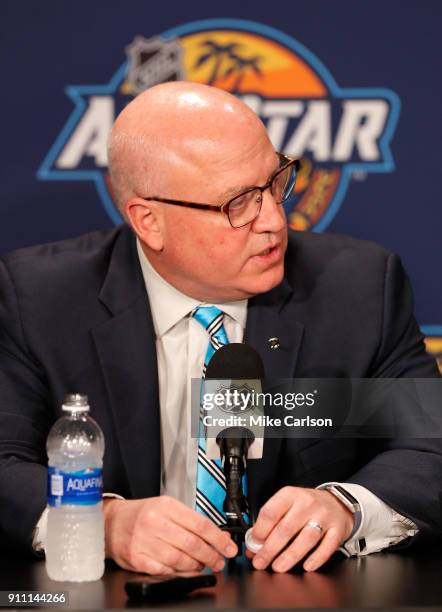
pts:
pixel 235 362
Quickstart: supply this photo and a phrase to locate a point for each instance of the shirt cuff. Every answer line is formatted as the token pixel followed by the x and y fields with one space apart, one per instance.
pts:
pixel 39 534
pixel 380 526
pixel 113 495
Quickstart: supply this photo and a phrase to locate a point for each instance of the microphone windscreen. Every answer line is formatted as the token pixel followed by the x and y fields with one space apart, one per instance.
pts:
pixel 235 361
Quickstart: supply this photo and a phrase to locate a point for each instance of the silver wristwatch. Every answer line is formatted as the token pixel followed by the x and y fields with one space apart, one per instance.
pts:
pixel 353 505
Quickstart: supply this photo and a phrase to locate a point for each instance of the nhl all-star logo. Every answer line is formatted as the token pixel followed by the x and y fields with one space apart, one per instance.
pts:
pixel 339 134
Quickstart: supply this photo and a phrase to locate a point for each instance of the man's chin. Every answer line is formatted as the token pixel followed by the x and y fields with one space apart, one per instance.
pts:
pixel 267 280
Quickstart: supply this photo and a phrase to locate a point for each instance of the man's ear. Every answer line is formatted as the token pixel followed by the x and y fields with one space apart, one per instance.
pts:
pixel 146 221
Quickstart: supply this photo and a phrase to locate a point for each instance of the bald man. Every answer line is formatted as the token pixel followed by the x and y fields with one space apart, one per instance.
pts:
pixel 108 314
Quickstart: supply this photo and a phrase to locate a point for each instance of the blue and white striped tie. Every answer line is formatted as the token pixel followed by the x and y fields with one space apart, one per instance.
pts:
pixel 211 481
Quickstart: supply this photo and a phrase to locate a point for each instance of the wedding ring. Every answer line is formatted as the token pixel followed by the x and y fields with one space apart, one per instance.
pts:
pixel 315 525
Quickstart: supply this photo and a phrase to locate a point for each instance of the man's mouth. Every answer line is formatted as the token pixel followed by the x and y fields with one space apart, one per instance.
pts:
pixel 268 249
pixel 269 254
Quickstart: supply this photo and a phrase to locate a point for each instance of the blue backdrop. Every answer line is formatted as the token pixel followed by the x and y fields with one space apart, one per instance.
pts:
pixel 58 55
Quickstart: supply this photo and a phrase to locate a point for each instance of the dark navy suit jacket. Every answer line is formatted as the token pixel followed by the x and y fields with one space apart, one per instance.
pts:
pixel 74 317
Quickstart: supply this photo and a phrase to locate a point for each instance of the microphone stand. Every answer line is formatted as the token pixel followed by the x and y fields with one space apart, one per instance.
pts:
pixel 234 443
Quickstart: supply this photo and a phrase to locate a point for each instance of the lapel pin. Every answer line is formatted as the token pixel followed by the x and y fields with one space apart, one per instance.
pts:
pixel 274 343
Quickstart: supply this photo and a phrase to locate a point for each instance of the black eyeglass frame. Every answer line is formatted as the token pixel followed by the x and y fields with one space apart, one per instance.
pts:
pixel 224 208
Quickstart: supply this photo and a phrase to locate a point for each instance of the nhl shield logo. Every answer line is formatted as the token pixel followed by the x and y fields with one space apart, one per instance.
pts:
pixel 238 399
pixel 152 61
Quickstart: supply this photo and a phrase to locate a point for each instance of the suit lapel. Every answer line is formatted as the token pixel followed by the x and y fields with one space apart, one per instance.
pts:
pixel 271 315
pixel 125 345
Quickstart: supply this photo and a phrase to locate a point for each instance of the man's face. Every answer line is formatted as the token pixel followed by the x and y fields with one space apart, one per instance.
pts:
pixel 203 256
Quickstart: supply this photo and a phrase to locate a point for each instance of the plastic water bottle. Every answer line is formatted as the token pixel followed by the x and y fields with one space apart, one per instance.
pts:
pixel 75 530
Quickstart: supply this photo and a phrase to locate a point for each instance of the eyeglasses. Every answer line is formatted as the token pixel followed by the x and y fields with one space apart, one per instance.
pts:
pixel 243 208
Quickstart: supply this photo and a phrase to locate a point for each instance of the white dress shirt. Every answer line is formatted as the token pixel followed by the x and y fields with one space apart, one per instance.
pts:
pixel 181 345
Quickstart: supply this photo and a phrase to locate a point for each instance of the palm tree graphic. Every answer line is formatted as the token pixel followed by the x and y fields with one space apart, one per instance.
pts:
pixel 219 54
pixel 241 65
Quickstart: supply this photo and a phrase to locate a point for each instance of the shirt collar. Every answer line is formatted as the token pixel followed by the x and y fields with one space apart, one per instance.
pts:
pixel 179 305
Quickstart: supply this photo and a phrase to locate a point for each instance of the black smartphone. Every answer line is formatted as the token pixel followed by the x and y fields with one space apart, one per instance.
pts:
pixel 162 588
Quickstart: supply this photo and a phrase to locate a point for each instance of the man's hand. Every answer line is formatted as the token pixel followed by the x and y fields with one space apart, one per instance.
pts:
pixel 160 535
pixel 286 516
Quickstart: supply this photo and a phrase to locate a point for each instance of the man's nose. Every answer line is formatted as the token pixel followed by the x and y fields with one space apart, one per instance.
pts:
pixel 271 217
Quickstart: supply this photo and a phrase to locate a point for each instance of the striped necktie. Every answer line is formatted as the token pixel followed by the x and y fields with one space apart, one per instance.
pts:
pixel 211 481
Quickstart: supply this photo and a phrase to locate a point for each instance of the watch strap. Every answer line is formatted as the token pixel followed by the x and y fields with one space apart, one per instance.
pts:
pixel 350 502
